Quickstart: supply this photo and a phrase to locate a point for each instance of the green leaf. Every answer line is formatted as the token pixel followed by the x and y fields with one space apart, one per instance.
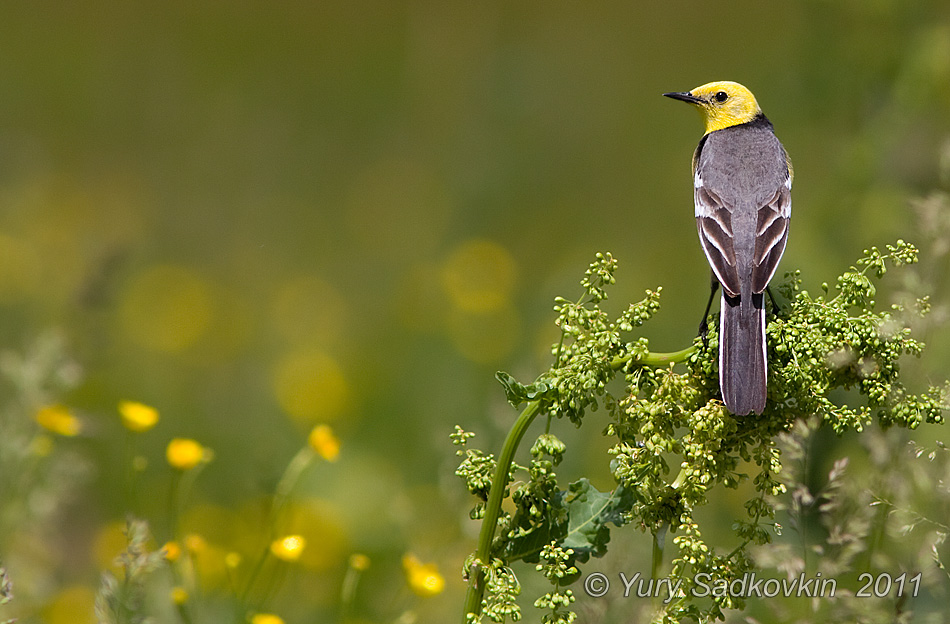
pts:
pixel 589 511
pixel 515 392
pixel 518 393
pixel 577 519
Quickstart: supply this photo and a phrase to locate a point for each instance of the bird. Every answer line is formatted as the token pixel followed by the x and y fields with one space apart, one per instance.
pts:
pixel 742 183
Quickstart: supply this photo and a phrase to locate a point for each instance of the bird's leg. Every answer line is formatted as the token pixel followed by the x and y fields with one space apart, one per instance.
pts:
pixel 776 308
pixel 703 326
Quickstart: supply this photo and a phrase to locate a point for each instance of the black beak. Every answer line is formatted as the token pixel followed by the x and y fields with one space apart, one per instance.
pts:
pixel 684 96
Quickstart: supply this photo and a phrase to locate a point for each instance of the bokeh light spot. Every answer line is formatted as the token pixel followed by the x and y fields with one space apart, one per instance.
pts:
pixel 485 338
pixel 420 303
pixel 167 308
pixel 478 276
pixel 311 387
pixel 319 523
pixel 73 605
pixel 208 559
pixel 229 527
pixel 18 269
pixel 309 310
pixel 397 209
pixel 109 542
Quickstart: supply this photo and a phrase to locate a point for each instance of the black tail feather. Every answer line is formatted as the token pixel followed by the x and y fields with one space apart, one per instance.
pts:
pixel 742 366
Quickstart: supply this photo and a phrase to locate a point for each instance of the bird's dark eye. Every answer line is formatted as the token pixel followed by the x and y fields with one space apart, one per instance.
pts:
pixel 721 96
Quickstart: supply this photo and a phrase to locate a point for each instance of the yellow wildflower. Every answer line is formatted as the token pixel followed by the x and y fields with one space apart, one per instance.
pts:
pixel 424 578
pixel 179 595
pixel 232 559
pixel 266 618
pixel 288 548
pixel 359 562
pixel 195 544
pixel 185 454
pixel 172 551
pixel 137 416
pixel 324 442
pixel 58 419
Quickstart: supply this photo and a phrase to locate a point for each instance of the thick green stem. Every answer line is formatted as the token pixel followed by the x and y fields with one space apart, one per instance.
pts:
pixel 476 581
pixel 659 542
pixel 655 360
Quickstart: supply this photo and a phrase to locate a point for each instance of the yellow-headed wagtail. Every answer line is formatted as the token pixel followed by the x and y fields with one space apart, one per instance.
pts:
pixel 742 181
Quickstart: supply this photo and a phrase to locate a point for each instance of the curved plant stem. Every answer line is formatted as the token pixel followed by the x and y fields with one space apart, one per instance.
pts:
pixel 659 542
pixel 476 581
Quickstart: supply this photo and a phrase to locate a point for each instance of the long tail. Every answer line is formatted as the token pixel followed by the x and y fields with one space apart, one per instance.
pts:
pixel 742 367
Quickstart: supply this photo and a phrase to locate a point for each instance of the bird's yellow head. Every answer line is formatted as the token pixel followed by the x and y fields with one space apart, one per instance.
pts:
pixel 723 104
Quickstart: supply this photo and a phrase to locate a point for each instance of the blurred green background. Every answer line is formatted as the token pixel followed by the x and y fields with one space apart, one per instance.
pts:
pixel 259 217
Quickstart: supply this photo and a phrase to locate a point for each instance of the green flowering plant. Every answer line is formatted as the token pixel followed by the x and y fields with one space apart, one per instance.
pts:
pixel 673 439
pixel 122 600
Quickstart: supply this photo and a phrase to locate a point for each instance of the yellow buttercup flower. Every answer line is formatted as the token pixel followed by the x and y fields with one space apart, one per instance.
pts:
pixel 288 548
pixel 58 419
pixel 136 416
pixel 324 442
pixel 185 454
pixel 179 595
pixel 195 544
pixel 266 618
pixel 359 562
pixel 423 578
pixel 172 551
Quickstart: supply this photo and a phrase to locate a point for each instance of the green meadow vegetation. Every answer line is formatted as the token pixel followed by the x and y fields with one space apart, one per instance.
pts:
pixel 276 331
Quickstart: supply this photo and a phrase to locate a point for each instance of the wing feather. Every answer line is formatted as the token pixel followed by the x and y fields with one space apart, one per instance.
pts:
pixel 714 222
pixel 770 237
